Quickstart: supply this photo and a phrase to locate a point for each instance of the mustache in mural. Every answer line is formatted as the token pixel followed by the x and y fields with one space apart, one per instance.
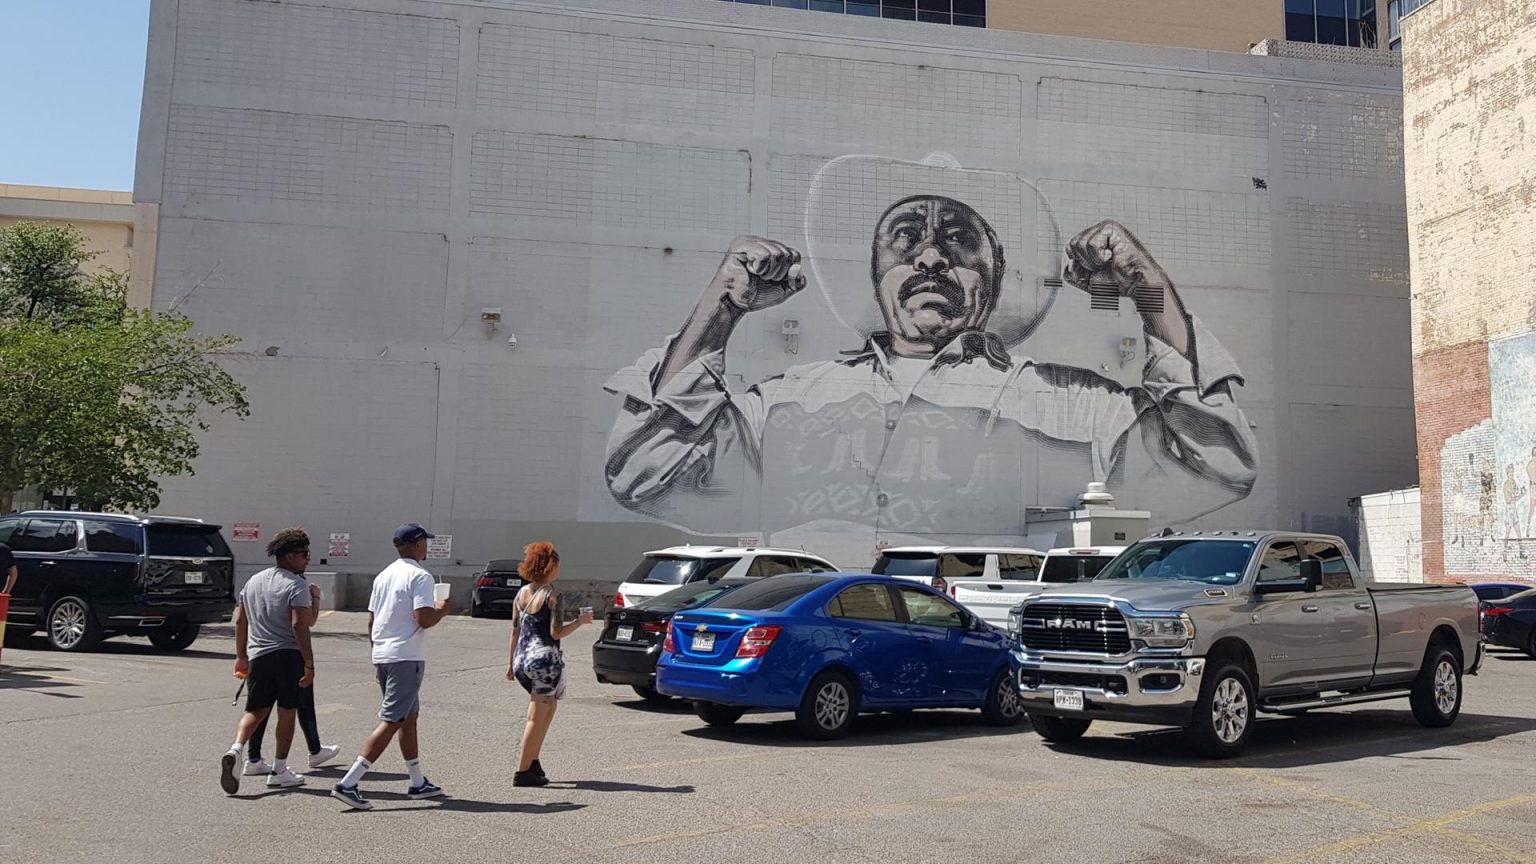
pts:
pixel 935 283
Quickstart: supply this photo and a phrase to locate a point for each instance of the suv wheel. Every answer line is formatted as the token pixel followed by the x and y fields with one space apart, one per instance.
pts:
pixel 174 638
pixel 718 715
pixel 1004 707
pixel 1224 713
pixel 828 707
pixel 1436 696
pixel 72 624
pixel 1060 729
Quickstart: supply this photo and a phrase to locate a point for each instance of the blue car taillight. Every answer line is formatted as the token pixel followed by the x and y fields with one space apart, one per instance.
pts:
pixel 756 641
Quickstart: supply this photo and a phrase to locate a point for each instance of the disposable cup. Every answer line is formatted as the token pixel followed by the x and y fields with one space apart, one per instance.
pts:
pixel 440 591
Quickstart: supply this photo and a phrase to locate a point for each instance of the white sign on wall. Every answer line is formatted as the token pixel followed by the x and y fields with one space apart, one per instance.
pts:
pixel 440 548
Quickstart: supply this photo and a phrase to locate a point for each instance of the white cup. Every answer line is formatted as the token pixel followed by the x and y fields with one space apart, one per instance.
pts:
pixel 440 591
pixel 586 610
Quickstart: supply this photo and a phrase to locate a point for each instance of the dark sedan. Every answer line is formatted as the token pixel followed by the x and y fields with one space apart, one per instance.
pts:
pixel 495 589
pixel 1511 622
pixel 626 651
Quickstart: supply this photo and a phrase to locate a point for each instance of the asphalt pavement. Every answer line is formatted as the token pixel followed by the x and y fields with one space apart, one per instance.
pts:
pixel 112 757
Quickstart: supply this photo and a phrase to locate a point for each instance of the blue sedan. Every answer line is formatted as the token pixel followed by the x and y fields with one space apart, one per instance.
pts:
pixel 828 646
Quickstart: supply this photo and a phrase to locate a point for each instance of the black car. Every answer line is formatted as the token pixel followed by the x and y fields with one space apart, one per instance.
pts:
pixel 495 589
pixel 1490 594
pixel 84 576
pixel 631 641
pixel 1511 622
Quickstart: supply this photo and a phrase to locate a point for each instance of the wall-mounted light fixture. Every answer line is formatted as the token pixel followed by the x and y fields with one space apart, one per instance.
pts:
pixel 490 316
pixel 791 331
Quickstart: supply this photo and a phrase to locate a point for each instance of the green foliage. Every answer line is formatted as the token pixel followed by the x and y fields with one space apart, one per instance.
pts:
pixel 96 396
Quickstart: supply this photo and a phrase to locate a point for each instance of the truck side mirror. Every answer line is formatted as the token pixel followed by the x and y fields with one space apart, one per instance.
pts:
pixel 1312 574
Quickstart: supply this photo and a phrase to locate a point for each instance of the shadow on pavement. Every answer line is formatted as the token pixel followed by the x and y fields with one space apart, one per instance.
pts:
pixel 36 679
pixel 611 786
pixel 674 706
pixel 1316 738
pixel 447 802
pixel 869 730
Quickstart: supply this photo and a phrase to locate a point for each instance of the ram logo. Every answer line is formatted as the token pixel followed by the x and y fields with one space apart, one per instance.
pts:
pixel 1068 624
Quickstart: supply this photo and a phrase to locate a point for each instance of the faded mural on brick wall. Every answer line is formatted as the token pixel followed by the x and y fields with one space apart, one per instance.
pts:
pixel 939 418
pixel 1488 472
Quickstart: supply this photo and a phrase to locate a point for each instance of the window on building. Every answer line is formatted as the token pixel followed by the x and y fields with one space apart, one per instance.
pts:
pixel 962 13
pixel 1332 22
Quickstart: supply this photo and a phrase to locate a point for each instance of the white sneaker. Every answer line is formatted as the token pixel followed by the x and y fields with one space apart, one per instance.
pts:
pixel 285 780
pixel 259 768
pixel 326 754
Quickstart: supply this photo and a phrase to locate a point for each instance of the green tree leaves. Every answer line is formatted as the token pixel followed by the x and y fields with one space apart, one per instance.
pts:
pixel 96 396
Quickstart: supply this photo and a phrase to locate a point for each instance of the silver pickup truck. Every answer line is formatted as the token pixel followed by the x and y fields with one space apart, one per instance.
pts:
pixel 1202 630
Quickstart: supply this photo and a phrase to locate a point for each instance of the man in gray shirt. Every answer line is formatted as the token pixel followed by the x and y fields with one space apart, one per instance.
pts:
pixel 272 653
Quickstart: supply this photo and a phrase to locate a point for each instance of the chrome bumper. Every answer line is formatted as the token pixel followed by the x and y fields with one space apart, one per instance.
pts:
pixel 1149 682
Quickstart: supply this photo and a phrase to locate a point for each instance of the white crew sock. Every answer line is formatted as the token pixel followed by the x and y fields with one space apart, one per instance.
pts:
pixel 414 766
pixel 279 766
pixel 238 749
pixel 359 768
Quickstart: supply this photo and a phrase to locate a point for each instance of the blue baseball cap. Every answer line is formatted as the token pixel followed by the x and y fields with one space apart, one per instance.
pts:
pixel 410 532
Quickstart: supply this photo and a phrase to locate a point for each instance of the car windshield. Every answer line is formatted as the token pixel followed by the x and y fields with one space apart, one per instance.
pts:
pixel 685 597
pixel 1217 562
pixel 907 564
pixel 775 593
pixel 1073 568
pixel 186 541
pixel 654 570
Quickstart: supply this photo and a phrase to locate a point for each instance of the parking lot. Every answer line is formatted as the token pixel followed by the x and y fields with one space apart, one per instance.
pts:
pixel 111 756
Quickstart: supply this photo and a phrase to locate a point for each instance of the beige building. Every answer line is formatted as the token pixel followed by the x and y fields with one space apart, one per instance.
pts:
pixel 1214 25
pixel 105 218
pixel 1469 94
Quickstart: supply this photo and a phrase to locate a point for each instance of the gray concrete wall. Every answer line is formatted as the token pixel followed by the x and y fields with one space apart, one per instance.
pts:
pixel 347 186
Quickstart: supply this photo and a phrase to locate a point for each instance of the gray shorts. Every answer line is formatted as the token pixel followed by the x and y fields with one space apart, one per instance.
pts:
pixel 401 685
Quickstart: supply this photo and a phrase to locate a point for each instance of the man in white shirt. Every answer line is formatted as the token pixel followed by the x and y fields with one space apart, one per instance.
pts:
pixel 401 609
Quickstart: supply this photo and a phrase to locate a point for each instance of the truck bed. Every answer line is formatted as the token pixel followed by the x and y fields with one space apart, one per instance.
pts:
pixel 1403 624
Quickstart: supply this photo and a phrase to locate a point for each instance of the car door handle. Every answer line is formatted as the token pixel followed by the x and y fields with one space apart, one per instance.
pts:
pixel 47 563
pixel 1309 608
pixel 1363 607
pixel 854 634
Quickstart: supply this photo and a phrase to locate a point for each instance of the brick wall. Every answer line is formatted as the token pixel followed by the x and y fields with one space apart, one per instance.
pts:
pixel 1469 100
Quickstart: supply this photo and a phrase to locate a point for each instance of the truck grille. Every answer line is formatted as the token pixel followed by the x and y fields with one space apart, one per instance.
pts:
pixel 1074 627
pixel 1106 683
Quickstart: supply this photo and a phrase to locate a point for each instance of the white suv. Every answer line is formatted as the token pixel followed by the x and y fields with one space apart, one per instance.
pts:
pixel 665 569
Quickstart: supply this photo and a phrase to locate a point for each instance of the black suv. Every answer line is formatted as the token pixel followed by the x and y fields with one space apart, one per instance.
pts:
pixel 85 576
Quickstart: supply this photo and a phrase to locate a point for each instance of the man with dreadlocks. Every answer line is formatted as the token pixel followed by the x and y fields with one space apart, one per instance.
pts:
pixel 272 651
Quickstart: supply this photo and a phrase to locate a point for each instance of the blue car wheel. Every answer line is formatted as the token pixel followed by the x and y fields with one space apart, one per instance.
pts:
pixel 828 707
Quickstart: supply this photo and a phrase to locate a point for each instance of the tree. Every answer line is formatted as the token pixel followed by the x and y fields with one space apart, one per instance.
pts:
pixel 95 395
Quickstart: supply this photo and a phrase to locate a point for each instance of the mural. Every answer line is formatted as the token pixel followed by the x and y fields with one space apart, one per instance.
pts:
pixel 939 422
pixel 1488 473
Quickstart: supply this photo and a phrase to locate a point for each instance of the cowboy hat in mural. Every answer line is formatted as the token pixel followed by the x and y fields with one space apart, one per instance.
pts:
pixel 938 423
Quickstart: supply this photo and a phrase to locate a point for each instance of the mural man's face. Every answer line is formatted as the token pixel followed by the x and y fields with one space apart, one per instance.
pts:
pixel 936 267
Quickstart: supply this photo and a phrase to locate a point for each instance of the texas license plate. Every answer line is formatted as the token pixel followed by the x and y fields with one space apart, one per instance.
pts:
pixel 624 634
pixel 193 577
pixel 1069 700
pixel 703 641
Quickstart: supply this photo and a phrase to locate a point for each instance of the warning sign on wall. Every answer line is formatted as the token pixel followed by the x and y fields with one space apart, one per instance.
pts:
pixel 440 548
pixel 246 532
pixel 341 546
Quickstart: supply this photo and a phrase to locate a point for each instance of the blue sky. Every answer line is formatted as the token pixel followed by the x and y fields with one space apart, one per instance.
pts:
pixel 75 76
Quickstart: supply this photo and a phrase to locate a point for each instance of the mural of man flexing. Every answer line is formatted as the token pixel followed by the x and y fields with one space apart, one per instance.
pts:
pixel 932 427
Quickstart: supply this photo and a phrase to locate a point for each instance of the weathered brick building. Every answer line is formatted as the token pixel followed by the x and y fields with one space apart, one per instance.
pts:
pixel 1469 91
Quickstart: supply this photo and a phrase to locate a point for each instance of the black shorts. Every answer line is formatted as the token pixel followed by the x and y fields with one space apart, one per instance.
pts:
pixel 274 678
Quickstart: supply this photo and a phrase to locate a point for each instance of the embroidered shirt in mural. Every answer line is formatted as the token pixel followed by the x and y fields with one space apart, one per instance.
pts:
pixel 961 447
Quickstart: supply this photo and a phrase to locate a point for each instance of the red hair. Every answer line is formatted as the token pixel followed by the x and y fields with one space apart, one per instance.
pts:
pixel 539 560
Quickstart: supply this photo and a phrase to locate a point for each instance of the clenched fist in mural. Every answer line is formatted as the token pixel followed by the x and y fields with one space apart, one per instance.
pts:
pixel 757 274
pixel 1108 254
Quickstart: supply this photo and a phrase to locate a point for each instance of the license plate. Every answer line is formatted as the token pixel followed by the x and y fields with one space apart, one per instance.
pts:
pixel 513 583
pixel 624 634
pixel 193 577
pixel 703 641
pixel 1069 700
